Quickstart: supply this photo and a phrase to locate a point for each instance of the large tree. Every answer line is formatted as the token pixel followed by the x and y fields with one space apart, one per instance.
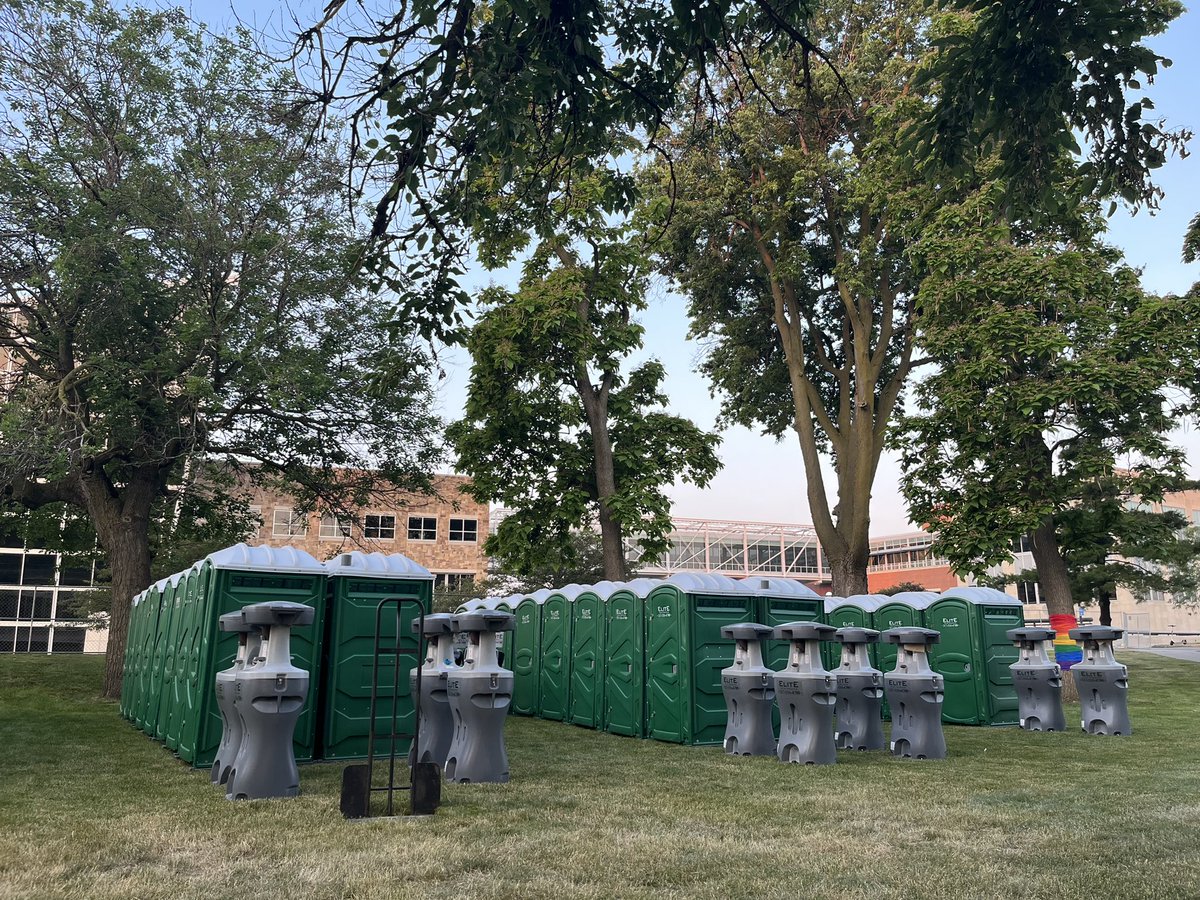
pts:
pixel 176 265
pixel 1058 383
pixel 443 89
pixel 559 425
pixel 792 209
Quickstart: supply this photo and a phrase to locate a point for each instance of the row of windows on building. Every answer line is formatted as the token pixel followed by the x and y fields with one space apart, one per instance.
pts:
pixel 375 526
pixel 43 570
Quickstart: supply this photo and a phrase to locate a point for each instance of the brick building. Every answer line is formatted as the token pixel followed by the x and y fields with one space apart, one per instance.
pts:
pixel 444 532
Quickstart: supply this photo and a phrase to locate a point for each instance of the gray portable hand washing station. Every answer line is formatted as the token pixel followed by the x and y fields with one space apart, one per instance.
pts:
pixel 480 693
pixel 249 642
pixel 859 692
pixel 915 694
pixel 437 721
pixel 1103 683
pixel 1038 681
pixel 269 697
pixel 749 692
pixel 806 694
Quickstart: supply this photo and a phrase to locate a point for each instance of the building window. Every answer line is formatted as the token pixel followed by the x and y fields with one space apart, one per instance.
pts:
pixel 333 529
pixel 422 528
pixel 464 530
pixel 453 581
pixel 287 523
pixel 1027 592
pixel 379 528
pixel 39 569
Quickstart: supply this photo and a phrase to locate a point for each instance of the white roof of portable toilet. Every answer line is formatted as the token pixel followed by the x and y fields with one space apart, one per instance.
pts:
pixel 605 589
pixel 493 602
pixel 781 586
pixel 377 565
pixel 832 603
pixel 540 595
pixel 571 591
pixel 264 559
pixel 982 596
pixel 704 583
pixel 639 587
pixel 867 602
pixel 473 604
pixel 915 599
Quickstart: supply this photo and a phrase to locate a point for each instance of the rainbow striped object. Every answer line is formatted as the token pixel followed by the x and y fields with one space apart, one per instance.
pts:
pixel 1066 651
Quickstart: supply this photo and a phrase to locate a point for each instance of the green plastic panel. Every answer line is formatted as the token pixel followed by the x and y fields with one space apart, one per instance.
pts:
pixel 349 661
pixel 229 590
pixel 847 615
pixel 667 678
pixel 775 611
pixel 526 656
pixel 685 654
pixel 958 659
pixel 587 661
pixel 624 667
pixel 148 643
pixel 999 653
pixel 195 692
pixel 554 677
pixel 163 656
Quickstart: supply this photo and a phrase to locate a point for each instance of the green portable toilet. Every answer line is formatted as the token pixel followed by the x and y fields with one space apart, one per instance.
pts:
pixel 150 647
pixel 129 665
pixel 168 703
pixel 625 657
pixel 526 656
pixel 186 643
pixel 164 656
pixel 229 580
pixel 902 610
pixel 685 653
pixel 554 679
pixel 357 583
pixel 189 691
pixel 855 611
pixel 974 654
pixel 587 655
pixel 780 601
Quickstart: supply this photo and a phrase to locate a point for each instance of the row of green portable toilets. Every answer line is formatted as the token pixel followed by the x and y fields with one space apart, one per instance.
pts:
pixel 973 654
pixel 175 650
pixel 644 658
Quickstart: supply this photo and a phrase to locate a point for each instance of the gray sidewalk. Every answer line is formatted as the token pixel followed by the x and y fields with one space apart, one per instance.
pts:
pixel 1191 654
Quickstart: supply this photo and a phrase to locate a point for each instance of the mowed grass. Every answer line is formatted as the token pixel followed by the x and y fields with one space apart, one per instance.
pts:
pixel 90 808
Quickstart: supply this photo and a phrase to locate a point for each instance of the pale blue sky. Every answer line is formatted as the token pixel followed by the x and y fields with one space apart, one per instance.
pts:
pixel 762 479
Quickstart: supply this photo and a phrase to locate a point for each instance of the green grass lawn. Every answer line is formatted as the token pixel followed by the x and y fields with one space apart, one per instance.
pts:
pixel 90 808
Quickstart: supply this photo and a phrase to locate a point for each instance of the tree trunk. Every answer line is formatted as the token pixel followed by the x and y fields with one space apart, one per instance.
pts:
pixel 849 570
pixel 1054 584
pixel 122 523
pixel 595 406
pixel 1105 598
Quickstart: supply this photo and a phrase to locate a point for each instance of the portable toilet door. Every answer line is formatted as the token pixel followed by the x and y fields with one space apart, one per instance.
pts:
pixel 186 643
pixel 974 654
pixel 239 576
pixel 587 656
pixel 554 679
pixel 149 642
pixel 164 660
pixel 965 660
pixel 901 610
pixel 133 651
pixel 625 658
pixel 685 653
pixel 357 583
pixel 195 690
pixel 841 612
pixel 784 600
pixel 526 656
